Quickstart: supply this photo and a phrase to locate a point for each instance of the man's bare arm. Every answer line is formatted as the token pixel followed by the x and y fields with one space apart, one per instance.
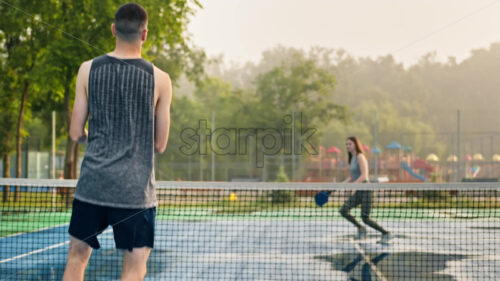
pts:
pixel 80 112
pixel 162 110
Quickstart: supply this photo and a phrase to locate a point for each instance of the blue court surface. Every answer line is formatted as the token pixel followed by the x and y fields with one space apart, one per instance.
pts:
pixel 275 250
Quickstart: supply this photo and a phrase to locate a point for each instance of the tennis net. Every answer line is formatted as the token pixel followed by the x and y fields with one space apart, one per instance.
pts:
pixel 271 231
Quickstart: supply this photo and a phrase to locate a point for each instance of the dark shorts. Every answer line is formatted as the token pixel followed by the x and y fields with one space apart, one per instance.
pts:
pixel 132 228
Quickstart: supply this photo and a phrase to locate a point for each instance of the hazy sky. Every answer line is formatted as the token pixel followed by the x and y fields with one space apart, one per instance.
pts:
pixel 408 29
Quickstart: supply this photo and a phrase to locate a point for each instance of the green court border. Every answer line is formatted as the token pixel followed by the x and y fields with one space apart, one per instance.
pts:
pixel 11 224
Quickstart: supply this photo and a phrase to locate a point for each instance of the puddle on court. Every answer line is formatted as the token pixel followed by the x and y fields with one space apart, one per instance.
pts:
pixel 393 266
pixel 106 264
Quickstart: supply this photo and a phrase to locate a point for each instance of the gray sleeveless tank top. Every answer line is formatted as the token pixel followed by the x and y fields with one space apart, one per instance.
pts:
pixel 354 168
pixel 117 170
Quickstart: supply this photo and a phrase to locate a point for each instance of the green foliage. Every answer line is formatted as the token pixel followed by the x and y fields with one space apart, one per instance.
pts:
pixel 299 85
pixel 18 57
pixel 282 176
pixel 282 196
pixel 415 105
pixel 45 43
pixel 7 121
pixel 434 195
pixel 336 93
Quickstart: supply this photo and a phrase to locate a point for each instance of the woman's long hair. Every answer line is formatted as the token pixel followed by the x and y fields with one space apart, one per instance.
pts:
pixel 357 144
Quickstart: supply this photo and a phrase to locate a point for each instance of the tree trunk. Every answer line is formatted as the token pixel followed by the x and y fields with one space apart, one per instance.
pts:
pixel 71 146
pixel 69 162
pixel 19 137
pixel 71 156
pixel 75 160
pixel 69 169
pixel 6 174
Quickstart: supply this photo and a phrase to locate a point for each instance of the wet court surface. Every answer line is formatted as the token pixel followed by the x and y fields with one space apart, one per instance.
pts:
pixel 277 250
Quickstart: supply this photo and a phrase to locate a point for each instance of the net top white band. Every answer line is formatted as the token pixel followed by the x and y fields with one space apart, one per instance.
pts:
pixel 274 185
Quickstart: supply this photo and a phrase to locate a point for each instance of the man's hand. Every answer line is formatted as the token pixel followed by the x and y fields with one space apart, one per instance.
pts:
pixel 84 138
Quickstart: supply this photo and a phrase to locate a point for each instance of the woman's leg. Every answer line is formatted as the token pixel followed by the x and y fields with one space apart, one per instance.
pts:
pixel 350 203
pixel 366 208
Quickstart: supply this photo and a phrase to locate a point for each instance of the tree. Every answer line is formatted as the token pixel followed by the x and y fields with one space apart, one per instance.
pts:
pixel 87 34
pixel 282 196
pixel 21 41
pixel 8 110
pixel 211 95
pixel 298 86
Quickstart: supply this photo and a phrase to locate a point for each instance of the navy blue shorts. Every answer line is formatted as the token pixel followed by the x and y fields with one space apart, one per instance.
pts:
pixel 132 228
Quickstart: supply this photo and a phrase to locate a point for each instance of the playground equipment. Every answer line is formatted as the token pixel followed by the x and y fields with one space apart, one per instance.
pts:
pixel 408 169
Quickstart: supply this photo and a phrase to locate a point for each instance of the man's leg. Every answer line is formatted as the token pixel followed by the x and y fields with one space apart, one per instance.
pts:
pixel 133 230
pixel 87 221
pixel 135 264
pixel 78 257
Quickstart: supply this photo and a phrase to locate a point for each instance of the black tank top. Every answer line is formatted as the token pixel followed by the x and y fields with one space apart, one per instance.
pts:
pixel 117 169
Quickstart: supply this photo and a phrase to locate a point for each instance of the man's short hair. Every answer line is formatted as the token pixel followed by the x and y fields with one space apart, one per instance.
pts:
pixel 130 20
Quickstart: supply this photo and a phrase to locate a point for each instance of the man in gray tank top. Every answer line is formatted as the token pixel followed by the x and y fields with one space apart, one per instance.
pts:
pixel 127 103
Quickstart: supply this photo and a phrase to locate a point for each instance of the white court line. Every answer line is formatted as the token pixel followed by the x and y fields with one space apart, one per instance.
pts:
pixel 39 250
pixel 34 252
pixel 367 260
pixel 33 231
